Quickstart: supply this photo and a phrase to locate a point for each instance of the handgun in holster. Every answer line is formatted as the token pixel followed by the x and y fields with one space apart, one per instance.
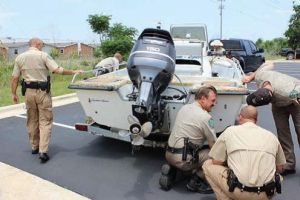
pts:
pixel 23 87
pixel 194 148
pixel 185 148
pixel 277 183
pixel 232 180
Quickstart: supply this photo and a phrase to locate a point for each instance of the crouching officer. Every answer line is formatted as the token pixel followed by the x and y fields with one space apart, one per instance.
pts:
pixel 254 158
pixel 193 127
pixel 34 66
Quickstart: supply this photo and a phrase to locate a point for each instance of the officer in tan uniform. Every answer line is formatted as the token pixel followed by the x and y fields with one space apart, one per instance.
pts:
pixel 193 127
pixel 253 156
pixel 217 48
pixel 283 92
pixel 34 66
pixel 109 64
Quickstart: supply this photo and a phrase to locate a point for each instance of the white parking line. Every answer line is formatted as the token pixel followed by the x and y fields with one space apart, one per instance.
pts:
pixel 57 124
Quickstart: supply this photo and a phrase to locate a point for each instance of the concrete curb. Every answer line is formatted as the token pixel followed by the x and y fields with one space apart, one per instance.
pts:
pixel 17 109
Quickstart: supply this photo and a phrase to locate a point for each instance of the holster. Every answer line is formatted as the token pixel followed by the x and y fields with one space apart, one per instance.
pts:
pixel 277 183
pixel 232 180
pixel 190 148
pixel 270 189
pixel 195 150
pixel 23 87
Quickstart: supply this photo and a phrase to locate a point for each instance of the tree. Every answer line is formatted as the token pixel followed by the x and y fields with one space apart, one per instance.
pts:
pixel 119 30
pixel 54 53
pixel 122 45
pixel 100 25
pixel 120 39
pixel 293 32
pixel 259 43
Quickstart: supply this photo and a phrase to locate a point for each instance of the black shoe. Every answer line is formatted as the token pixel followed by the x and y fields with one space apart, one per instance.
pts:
pixel 44 157
pixel 287 172
pixel 196 184
pixel 35 151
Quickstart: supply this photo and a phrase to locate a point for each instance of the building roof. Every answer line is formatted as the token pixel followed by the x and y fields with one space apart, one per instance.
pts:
pixel 63 44
pixel 15 44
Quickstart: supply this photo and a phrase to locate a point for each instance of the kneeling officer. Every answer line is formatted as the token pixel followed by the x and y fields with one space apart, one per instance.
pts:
pixel 246 161
pixel 193 127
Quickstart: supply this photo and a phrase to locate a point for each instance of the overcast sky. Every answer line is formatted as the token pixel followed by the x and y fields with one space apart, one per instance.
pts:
pixel 66 19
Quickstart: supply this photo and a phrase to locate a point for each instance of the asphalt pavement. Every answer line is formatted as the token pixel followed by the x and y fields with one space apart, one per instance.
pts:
pixel 102 168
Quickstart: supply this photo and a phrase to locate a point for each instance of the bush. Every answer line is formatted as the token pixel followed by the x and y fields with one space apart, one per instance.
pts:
pixel 98 52
pixel 54 53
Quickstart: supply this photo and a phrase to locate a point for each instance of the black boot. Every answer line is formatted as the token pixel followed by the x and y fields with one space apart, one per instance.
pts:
pixel 196 184
pixel 167 178
pixel 34 151
pixel 44 157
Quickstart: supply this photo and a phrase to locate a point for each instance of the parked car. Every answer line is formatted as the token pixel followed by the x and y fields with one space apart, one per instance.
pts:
pixel 245 51
pixel 289 53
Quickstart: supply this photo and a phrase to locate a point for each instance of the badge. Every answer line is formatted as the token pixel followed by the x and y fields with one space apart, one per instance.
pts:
pixel 211 123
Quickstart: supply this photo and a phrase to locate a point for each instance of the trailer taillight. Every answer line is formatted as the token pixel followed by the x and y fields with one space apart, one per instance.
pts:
pixel 81 127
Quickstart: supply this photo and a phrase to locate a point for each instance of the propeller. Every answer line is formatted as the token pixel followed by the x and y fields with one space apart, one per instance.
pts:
pixel 138 131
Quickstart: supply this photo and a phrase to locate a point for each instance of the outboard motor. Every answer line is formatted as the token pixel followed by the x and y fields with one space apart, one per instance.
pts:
pixel 151 66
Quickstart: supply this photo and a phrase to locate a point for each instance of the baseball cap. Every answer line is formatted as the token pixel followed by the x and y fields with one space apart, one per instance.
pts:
pixel 260 97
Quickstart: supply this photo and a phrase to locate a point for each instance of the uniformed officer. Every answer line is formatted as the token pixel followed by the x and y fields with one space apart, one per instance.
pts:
pixel 34 66
pixel 283 92
pixel 253 156
pixel 217 47
pixel 109 64
pixel 193 127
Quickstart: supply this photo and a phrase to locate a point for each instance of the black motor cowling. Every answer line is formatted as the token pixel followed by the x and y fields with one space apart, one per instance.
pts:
pixel 151 66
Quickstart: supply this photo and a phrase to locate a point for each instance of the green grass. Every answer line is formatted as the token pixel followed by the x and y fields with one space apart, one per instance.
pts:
pixel 59 83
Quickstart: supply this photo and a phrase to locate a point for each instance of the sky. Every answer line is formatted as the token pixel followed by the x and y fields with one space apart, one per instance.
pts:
pixel 65 20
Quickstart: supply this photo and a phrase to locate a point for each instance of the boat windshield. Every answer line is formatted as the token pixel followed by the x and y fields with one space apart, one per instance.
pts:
pixel 225 69
pixel 193 33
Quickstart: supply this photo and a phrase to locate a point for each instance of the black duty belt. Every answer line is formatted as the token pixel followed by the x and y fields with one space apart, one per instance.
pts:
pixel 36 85
pixel 256 189
pixel 174 150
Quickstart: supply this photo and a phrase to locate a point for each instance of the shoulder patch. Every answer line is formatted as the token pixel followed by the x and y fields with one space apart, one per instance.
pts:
pixel 293 94
pixel 211 123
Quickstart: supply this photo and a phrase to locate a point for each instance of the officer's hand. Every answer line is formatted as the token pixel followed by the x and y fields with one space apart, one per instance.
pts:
pixel 78 71
pixel 15 98
pixel 246 79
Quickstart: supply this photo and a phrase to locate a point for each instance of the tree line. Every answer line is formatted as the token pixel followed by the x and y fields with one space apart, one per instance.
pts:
pixel 291 39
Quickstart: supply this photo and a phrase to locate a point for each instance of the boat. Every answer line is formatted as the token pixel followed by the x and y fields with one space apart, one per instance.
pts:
pixel 139 104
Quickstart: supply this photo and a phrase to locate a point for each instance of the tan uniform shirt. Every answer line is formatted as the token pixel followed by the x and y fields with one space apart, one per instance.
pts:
pixel 34 65
pixel 284 87
pixel 110 63
pixel 193 122
pixel 250 151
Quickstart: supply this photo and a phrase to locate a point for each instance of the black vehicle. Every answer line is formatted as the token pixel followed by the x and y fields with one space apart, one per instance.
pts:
pixel 289 53
pixel 245 51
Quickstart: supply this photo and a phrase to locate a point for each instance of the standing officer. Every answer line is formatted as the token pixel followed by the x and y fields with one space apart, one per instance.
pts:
pixel 193 127
pixel 109 64
pixel 283 92
pixel 253 156
pixel 34 66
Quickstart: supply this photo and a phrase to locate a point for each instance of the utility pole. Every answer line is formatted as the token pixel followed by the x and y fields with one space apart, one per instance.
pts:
pixel 221 7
